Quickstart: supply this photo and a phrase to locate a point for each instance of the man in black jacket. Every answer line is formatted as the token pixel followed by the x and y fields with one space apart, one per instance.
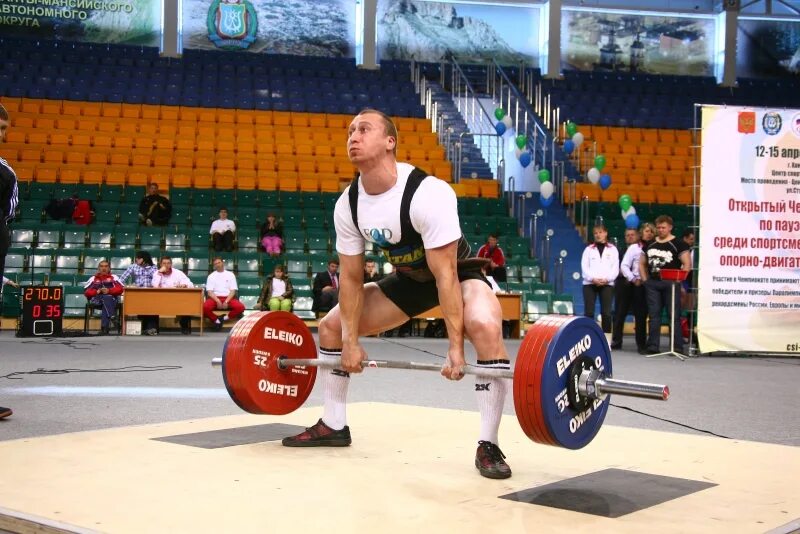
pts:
pixel 9 198
pixel 155 209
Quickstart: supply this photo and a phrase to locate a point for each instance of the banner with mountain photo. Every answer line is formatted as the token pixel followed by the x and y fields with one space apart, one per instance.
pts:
pixel 133 22
pixel 299 27
pixel 424 30
pixel 592 40
pixel 767 48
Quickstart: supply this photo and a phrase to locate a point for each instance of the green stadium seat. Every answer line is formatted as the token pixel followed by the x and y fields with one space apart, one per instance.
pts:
pixel 294 240
pixel 75 239
pixel 199 239
pixel 105 215
pixel 48 238
pixel 23 236
pixel 536 306
pixel 62 279
pixel 40 261
pixel 124 237
pixel 563 304
pixel 180 195
pixel 69 263
pixel 119 260
pixel 100 239
pixel 15 262
pixel 151 238
pixel 175 242
pixel 111 193
pixel 303 301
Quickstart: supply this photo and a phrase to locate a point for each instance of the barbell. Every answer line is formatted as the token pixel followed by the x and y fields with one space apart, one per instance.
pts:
pixel 561 378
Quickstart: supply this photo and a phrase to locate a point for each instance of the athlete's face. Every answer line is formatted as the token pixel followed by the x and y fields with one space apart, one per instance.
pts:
pixel 367 139
pixel 3 130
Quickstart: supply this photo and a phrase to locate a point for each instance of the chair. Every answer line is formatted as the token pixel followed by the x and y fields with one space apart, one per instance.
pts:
pixel 90 309
pixel 68 263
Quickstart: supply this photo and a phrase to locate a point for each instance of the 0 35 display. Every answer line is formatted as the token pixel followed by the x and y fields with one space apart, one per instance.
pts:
pixel 42 311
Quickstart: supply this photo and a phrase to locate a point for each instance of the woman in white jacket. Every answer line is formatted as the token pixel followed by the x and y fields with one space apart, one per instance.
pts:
pixel 599 267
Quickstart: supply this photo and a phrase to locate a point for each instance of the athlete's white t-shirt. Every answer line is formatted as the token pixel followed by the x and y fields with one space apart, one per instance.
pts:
pixel 433 213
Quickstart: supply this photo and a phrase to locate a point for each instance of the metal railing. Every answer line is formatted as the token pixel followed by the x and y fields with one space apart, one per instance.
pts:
pixel 504 91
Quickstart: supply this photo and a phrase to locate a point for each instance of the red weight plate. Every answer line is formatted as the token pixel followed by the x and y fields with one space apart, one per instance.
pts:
pixel 251 370
pixel 520 384
pixel 545 336
pixel 525 384
pixel 540 396
pixel 522 370
pixel 231 362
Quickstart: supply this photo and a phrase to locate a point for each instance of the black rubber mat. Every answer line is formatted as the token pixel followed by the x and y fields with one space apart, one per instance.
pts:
pixel 610 492
pixel 231 437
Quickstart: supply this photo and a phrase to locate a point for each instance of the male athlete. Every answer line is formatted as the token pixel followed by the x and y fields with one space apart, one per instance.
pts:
pixel 413 217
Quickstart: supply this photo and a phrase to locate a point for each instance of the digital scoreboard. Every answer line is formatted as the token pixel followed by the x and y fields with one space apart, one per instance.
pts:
pixel 42 309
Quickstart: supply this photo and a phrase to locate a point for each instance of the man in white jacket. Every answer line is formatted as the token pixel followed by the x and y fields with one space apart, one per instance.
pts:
pixel 599 267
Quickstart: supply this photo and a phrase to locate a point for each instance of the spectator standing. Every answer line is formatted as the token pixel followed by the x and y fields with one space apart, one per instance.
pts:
pixel 665 252
pixel 167 277
pixel 141 273
pixel 104 289
pixel 629 294
pixel 277 293
pixel 222 232
pixel 599 266
pixel 491 250
pixel 326 288
pixel 272 235
pixel 221 291
pixel 155 209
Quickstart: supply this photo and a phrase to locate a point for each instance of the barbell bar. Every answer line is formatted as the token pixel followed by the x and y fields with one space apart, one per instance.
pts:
pixel 561 381
pixel 591 384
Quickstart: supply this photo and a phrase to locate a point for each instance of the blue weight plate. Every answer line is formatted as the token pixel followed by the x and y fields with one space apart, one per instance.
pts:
pixel 569 428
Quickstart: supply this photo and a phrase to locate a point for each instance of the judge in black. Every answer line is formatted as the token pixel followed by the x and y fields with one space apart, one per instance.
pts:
pixel 665 252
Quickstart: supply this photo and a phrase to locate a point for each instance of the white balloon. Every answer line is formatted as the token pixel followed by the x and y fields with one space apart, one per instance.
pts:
pixel 631 211
pixel 508 122
pixel 577 139
pixel 547 189
pixel 593 175
pixel 517 151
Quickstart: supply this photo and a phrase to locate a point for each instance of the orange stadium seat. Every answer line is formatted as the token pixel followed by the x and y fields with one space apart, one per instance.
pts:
pixel 245 182
pixel 47 173
pixel 225 180
pixel 181 178
pixel 93 175
pixel 203 179
pixel 138 177
pixel 69 175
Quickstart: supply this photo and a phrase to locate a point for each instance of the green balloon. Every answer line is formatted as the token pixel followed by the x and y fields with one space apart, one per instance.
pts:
pixel 499 113
pixel 544 176
pixel 572 128
pixel 521 140
pixel 625 202
pixel 600 162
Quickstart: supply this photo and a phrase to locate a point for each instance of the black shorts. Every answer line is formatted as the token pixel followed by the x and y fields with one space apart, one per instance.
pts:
pixel 415 297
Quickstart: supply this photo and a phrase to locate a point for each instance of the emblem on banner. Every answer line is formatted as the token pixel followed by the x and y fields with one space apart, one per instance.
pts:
pixel 232 24
pixel 747 122
pixel 771 123
pixel 796 124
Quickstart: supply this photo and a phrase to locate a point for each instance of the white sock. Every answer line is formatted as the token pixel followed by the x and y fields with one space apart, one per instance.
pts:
pixel 491 393
pixel 334 382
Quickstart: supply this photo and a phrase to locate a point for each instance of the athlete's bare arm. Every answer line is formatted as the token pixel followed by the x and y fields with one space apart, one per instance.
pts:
pixel 351 303
pixel 442 263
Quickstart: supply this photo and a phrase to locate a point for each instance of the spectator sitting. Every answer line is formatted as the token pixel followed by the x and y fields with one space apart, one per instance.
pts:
pixel 491 250
pixel 222 232
pixel 104 289
pixel 221 295
pixel 272 235
pixel 168 277
pixel 155 209
pixel 326 288
pixel 277 292
pixel 141 271
pixel 371 271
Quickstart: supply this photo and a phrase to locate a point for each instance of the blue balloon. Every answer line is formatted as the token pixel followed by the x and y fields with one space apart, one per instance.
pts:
pixel 605 182
pixel 525 159
pixel 632 221
pixel 500 128
pixel 545 202
pixel 569 147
